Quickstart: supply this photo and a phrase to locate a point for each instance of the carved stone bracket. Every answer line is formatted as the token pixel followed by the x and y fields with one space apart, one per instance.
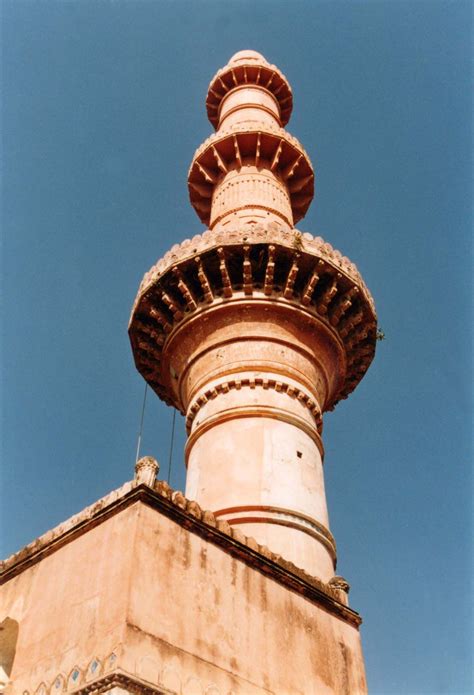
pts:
pixel 263 262
pixel 251 144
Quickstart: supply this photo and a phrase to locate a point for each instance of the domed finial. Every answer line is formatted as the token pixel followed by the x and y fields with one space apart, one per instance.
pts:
pixel 146 470
pixel 342 586
pixel 244 56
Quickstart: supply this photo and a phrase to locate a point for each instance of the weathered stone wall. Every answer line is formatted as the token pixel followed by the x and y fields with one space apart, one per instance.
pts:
pixel 142 596
pixel 71 606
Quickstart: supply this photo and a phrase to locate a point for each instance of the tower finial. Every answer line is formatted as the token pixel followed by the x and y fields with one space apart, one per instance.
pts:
pixel 249 68
pixel 251 169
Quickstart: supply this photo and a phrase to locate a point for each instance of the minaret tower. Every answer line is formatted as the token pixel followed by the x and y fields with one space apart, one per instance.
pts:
pixel 253 329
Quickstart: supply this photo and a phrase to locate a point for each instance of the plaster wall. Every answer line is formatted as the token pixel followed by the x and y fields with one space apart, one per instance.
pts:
pixel 241 631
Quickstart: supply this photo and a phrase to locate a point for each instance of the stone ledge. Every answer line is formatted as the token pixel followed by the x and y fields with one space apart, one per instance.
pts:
pixel 188 514
pixel 254 234
pixel 263 263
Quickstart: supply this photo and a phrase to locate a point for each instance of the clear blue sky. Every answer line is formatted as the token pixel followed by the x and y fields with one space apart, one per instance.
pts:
pixel 103 107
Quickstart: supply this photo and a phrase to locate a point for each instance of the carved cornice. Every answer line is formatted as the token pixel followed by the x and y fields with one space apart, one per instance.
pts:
pixel 272 233
pixel 255 263
pixel 120 679
pixel 104 683
pixel 249 72
pixel 252 383
pixel 255 127
pixel 254 143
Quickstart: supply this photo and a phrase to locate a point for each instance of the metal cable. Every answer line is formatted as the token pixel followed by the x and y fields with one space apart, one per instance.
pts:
pixel 171 445
pixel 141 423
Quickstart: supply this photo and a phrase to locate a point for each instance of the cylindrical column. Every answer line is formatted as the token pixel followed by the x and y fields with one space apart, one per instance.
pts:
pixel 254 457
pixel 249 103
pixel 250 193
pixel 254 378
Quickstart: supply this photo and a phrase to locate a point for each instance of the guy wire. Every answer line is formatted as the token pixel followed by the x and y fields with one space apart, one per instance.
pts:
pixel 141 423
pixel 171 445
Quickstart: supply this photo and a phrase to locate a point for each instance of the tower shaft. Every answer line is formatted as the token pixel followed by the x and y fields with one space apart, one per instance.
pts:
pixel 254 454
pixel 254 330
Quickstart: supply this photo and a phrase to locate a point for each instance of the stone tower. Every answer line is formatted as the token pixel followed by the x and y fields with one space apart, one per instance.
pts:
pixel 251 330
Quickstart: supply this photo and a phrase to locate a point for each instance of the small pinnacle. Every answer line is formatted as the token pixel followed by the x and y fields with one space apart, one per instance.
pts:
pixel 146 470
